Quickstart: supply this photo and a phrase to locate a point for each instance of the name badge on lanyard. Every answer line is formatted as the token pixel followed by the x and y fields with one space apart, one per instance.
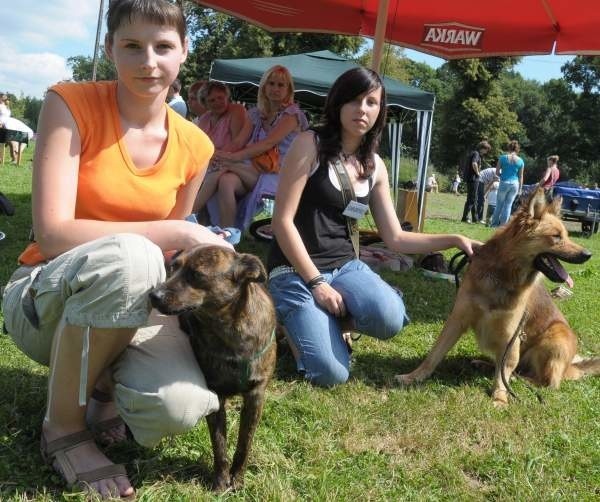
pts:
pixel 355 210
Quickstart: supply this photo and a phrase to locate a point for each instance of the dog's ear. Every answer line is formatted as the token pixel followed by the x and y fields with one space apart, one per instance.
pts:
pixel 249 268
pixel 555 206
pixel 537 204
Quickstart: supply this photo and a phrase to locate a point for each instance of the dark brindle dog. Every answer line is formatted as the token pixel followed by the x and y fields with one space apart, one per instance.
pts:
pixel 224 307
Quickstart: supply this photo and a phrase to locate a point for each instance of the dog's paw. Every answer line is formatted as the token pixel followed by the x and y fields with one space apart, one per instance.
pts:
pixel 221 484
pixel 500 398
pixel 406 379
pixel 237 481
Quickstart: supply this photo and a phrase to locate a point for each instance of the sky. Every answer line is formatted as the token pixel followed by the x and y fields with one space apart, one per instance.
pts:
pixel 38 36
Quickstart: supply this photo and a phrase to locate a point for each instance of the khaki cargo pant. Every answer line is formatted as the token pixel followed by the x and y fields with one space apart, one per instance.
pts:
pixel 160 389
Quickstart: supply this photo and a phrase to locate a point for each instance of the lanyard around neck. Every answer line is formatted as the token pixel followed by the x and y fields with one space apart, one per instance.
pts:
pixel 347 196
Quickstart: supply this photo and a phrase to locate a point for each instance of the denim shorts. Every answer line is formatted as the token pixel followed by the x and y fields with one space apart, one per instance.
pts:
pixel 376 308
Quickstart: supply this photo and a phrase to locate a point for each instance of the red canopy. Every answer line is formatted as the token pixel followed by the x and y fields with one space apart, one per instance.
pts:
pixel 446 28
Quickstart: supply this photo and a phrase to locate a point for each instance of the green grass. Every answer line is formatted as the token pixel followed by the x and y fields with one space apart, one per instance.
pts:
pixel 366 440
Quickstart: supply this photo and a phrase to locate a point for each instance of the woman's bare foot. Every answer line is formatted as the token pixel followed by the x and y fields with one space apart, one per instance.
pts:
pixel 103 419
pixel 86 457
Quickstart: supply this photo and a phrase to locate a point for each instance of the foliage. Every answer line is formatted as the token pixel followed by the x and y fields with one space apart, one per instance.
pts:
pixel 583 72
pixel 393 63
pixel 82 67
pixel 476 110
pixel 366 440
pixel 214 36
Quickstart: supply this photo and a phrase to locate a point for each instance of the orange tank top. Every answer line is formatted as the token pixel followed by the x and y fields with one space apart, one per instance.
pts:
pixel 110 186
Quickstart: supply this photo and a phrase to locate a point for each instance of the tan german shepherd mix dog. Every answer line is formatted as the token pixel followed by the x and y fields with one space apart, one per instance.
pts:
pixel 503 284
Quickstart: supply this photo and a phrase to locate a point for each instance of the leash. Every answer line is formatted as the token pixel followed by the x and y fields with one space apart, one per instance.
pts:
pixel 456 268
pixel 522 335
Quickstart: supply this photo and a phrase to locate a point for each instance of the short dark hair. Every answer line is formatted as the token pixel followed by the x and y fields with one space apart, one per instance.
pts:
pixel 160 12
pixel 348 85
pixel 210 86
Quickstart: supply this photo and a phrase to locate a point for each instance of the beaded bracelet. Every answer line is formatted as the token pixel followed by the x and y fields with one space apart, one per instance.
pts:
pixel 315 281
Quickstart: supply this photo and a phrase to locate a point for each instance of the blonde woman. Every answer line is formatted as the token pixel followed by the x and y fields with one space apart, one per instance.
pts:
pixel 510 169
pixel 276 120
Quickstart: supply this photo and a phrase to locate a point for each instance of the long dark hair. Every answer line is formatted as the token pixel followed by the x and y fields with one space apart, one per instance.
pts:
pixel 350 84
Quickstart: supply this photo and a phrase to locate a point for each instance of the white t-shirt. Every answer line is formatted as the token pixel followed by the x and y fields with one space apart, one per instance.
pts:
pixel 492 194
pixel 4 114
pixel 178 104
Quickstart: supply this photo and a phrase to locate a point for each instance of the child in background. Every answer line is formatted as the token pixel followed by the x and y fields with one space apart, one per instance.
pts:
pixel 491 195
pixel 455 183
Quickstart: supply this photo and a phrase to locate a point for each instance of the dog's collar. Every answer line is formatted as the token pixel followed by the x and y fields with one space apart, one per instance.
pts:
pixel 248 363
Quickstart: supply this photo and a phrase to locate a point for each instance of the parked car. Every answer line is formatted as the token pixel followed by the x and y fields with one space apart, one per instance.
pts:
pixel 580 204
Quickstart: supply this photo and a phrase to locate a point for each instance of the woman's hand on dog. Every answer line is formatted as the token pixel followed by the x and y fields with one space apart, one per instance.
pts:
pixel 196 235
pixel 467 245
pixel 329 299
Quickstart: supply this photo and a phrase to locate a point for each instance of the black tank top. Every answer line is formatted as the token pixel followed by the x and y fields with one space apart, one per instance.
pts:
pixel 321 224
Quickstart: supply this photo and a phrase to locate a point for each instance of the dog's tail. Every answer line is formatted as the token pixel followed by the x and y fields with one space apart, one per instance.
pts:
pixel 581 367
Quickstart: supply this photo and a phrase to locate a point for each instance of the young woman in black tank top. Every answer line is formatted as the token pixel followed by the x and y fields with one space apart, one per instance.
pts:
pixel 319 286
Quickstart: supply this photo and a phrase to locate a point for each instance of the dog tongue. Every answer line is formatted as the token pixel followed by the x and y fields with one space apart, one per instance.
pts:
pixel 559 269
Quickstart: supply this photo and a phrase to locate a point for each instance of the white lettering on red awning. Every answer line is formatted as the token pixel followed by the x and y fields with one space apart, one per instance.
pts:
pixel 453 36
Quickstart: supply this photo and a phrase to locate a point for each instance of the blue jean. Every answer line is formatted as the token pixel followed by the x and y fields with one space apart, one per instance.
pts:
pixel 376 308
pixel 507 191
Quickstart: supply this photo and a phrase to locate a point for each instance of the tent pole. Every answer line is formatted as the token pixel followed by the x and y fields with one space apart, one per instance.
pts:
pixel 97 44
pixel 382 17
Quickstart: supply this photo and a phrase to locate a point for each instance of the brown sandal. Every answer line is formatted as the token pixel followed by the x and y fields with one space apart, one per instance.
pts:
pixel 57 451
pixel 99 428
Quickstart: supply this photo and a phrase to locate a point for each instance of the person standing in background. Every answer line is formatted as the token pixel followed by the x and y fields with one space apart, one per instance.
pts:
pixel 175 100
pixel 455 184
pixel 471 175
pixel 551 174
pixel 486 178
pixel 432 184
pixel 491 195
pixel 4 109
pixel 510 169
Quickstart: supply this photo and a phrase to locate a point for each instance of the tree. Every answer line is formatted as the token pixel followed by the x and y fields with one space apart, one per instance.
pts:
pixel 218 36
pixel 476 110
pixel 31 111
pixel 81 66
pixel 583 72
pixel 394 63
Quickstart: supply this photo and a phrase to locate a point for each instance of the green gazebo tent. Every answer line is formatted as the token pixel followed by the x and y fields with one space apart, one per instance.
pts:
pixel 313 74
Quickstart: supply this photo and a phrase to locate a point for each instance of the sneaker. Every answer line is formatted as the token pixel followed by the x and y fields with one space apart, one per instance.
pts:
pixel 482 222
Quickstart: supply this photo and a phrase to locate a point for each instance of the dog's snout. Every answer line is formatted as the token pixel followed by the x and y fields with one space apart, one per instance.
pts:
pixel 584 256
pixel 156 298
